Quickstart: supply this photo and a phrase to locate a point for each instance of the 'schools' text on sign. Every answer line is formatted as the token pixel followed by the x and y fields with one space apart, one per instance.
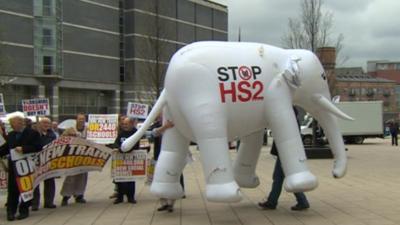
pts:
pixel 102 128
pixel 64 156
pixel 137 110
pixel 36 107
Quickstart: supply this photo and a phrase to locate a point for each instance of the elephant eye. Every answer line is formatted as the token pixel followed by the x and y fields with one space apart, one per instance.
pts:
pixel 323 76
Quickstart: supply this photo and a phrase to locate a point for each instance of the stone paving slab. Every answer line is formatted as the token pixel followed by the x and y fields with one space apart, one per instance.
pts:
pixel 368 195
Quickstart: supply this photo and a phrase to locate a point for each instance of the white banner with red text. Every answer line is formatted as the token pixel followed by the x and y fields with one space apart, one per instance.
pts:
pixel 64 156
pixel 130 166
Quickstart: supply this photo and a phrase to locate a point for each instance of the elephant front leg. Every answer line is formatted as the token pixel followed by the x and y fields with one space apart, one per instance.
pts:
pixel 169 165
pixel 291 151
pixel 221 186
pixel 246 160
pixel 283 123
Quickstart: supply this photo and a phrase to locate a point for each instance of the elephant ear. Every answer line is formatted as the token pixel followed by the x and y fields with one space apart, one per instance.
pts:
pixel 292 72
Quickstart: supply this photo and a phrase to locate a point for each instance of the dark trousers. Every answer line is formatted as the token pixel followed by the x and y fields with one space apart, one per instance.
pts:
pixel 394 139
pixel 49 193
pixel 126 188
pixel 13 195
pixel 278 178
pixel 181 180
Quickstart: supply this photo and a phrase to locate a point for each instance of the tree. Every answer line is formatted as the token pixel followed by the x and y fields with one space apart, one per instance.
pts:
pixel 150 78
pixel 313 29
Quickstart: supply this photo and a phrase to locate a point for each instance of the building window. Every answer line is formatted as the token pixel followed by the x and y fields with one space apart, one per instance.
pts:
pixel 386 93
pixel 370 92
pixel 47 65
pixel 352 92
pixel 47 7
pixel 47 37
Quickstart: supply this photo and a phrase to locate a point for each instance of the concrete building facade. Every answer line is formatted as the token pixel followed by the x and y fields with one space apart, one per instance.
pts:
pixel 96 62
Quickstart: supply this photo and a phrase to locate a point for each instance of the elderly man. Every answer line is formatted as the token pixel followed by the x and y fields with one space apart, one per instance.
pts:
pixel 23 140
pixel 126 188
pixel 76 185
pixel 54 128
pixel 46 136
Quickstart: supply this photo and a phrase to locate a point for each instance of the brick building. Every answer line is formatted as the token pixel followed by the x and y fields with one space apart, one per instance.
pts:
pixel 388 70
pixel 353 84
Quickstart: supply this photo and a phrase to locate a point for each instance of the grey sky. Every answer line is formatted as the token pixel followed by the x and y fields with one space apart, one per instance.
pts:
pixel 370 27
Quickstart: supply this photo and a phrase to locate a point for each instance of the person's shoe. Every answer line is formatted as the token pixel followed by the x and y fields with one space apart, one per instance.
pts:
pixel 80 199
pixel 49 206
pixel 35 208
pixel 163 208
pixel 10 217
pixel 118 200
pixel 133 201
pixel 64 201
pixel 170 208
pixel 114 195
pixel 299 207
pixel 266 205
pixel 22 216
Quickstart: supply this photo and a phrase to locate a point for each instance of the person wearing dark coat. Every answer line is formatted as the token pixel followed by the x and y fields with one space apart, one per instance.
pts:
pixel 394 131
pixel 126 188
pixel 23 140
pixel 47 135
pixel 278 178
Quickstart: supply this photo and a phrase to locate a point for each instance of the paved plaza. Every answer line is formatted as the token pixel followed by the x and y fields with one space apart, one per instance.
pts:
pixel 369 194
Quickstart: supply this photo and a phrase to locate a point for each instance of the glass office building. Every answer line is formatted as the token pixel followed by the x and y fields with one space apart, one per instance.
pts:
pixel 95 56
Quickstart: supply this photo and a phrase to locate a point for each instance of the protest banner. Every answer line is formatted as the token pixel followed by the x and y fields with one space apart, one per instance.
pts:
pixel 102 128
pixel 2 108
pixel 64 156
pixel 137 110
pixel 3 178
pixel 126 167
pixel 36 107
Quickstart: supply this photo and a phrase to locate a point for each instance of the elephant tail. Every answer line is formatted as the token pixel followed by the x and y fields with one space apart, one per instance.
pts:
pixel 132 140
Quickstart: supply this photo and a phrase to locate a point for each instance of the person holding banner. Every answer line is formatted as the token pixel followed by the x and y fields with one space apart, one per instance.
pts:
pixel 76 185
pixel 126 188
pixel 22 140
pixel 46 136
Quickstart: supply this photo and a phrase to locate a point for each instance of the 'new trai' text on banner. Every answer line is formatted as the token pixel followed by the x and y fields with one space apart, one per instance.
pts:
pixel 64 156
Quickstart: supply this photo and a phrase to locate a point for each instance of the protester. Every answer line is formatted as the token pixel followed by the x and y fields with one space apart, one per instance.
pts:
pixel 54 128
pixel 22 140
pixel 76 185
pixel 46 136
pixel 126 188
pixel 121 118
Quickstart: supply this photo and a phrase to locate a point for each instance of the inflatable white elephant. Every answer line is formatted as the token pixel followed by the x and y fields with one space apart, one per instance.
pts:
pixel 215 92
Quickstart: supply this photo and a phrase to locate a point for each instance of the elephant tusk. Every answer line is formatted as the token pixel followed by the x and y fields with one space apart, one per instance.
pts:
pixel 330 107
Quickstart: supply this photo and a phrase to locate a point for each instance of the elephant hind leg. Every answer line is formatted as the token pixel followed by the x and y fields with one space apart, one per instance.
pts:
pixel 221 186
pixel 246 160
pixel 170 165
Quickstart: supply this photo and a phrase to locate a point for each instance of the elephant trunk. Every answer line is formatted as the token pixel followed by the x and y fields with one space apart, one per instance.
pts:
pixel 326 116
pixel 332 132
